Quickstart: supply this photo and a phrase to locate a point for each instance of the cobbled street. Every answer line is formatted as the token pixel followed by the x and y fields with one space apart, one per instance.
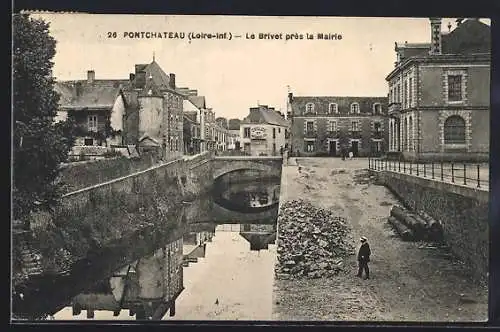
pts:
pixel 410 281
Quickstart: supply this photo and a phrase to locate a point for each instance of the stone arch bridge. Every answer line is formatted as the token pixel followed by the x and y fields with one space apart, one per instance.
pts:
pixel 269 165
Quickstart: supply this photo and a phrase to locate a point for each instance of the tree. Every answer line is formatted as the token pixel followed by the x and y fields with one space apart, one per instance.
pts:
pixel 40 145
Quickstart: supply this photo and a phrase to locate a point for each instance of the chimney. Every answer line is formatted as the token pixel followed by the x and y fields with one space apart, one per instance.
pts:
pixel 90 76
pixel 435 35
pixel 132 77
pixel 140 79
pixel 172 81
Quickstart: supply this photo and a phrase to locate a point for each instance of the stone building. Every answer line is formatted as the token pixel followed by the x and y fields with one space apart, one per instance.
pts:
pixel 193 103
pixel 328 126
pixel 192 132
pixel 154 117
pixel 264 131
pixel 439 94
pixel 210 129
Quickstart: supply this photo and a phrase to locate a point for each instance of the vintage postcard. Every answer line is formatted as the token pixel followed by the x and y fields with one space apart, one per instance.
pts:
pixel 250 168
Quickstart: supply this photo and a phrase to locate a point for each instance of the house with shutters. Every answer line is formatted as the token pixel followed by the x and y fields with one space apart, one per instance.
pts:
pixel 330 125
pixel 439 94
pixel 96 106
pixel 264 132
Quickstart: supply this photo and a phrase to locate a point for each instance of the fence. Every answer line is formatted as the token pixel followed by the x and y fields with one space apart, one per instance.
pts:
pixel 467 174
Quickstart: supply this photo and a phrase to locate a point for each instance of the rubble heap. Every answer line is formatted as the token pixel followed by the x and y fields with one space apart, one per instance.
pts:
pixel 312 242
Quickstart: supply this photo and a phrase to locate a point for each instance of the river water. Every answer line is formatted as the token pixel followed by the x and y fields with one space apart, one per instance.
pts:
pixel 218 264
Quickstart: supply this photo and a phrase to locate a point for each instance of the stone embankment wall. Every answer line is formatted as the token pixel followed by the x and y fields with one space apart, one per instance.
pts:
pixel 463 212
pixel 92 218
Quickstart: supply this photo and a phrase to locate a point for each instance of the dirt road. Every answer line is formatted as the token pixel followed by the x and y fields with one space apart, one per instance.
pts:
pixel 408 281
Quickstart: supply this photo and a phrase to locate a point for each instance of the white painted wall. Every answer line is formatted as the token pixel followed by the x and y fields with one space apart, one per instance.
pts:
pixel 151 117
pixel 267 146
pixel 62 115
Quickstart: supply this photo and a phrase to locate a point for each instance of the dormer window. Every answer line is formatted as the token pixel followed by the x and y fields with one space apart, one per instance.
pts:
pixel 309 108
pixel 333 108
pixel 377 108
pixel 354 108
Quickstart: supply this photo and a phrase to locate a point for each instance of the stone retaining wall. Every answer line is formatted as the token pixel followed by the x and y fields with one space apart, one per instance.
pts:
pixel 462 210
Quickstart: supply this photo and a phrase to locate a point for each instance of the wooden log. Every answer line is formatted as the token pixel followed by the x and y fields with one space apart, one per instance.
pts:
pixel 422 221
pixel 406 218
pixel 404 232
pixel 435 228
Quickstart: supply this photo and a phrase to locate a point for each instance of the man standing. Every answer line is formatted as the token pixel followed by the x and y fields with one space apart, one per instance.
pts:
pixel 363 258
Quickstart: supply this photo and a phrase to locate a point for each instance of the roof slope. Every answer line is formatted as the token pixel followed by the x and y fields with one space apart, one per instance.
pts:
pixel 265 115
pixel 198 101
pixel 343 102
pixel 84 94
pixel 471 36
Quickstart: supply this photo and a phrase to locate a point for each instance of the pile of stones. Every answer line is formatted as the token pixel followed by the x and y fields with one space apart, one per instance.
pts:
pixel 312 242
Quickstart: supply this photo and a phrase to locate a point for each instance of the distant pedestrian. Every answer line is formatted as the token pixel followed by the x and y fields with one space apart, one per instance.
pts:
pixel 363 258
pixel 351 154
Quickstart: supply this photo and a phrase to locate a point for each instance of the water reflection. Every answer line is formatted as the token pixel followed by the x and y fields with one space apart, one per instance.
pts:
pixel 216 264
pixel 246 196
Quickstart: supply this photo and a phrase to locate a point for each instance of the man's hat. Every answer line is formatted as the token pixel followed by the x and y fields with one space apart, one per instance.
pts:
pixel 363 239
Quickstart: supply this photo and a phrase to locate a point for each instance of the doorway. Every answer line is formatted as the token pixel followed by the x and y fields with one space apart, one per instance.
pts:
pixel 355 148
pixel 332 148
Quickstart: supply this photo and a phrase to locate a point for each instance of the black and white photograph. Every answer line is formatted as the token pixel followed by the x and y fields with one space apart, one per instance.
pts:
pixel 245 168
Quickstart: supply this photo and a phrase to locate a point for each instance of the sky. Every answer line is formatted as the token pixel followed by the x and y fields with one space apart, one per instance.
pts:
pixel 240 73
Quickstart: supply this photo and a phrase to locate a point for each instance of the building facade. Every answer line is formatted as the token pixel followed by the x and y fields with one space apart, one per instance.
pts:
pixel 439 95
pixel 154 117
pixel 192 133
pixel 96 106
pixel 331 126
pixel 264 132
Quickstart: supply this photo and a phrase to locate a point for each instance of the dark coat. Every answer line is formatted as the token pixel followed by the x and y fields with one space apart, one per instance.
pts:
pixel 364 252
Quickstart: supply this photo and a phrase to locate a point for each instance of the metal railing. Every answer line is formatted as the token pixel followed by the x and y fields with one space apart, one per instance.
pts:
pixel 467 174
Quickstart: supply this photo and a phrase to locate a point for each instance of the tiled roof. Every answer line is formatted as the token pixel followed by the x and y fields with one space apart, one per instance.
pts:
pixel 263 114
pixel 154 74
pixel 83 94
pixel 198 101
pixel 321 103
pixel 471 36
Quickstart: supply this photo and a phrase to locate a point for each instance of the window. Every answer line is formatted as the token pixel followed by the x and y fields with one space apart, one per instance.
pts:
pixel 246 132
pixel 410 88
pixel 309 108
pixel 377 126
pixel 333 125
pixel 377 108
pixel 454 130
pixel 309 146
pixel 354 125
pixel 274 132
pixel 454 87
pixel 309 126
pixel 354 108
pixel 279 130
pixel 398 91
pixel 332 108
pixel 89 141
pixel 405 94
pixel 274 147
pixel 92 122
